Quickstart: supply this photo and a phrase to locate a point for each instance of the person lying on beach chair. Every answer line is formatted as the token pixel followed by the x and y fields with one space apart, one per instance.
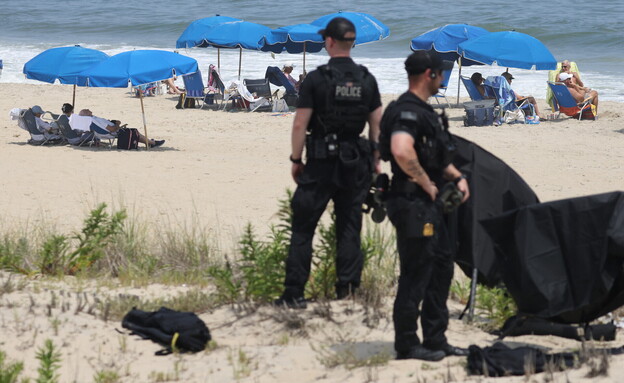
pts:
pixel 112 126
pixel 47 129
pixel 521 100
pixel 73 136
pixel 580 93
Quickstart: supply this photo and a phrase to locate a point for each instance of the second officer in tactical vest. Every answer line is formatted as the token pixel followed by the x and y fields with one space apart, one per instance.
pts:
pixel 416 141
pixel 335 103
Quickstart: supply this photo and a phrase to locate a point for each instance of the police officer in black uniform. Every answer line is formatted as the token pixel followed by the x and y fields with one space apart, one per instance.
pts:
pixel 335 103
pixel 416 141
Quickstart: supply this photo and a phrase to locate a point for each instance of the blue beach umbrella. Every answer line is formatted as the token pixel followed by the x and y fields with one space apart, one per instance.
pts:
pixel 137 67
pixel 195 34
pixel 296 38
pixel 237 34
pixel 62 64
pixel 509 49
pixel 367 28
pixel 445 40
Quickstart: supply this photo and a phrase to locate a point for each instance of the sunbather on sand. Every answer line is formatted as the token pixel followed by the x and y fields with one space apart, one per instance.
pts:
pixel 521 99
pixel 580 93
pixel 567 68
pixel 114 125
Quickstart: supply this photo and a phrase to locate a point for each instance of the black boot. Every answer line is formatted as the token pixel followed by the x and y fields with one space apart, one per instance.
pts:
pixel 422 353
pixel 449 350
pixel 290 302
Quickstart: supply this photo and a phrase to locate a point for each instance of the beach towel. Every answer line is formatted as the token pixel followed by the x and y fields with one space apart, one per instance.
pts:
pixel 100 122
pixel 14 114
pixel 82 123
pixel 552 77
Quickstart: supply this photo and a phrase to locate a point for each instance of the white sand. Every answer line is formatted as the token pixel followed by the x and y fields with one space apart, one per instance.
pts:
pixel 220 170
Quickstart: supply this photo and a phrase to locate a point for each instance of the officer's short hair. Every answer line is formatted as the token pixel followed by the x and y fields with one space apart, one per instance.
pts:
pixel 338 28
pixel 420 61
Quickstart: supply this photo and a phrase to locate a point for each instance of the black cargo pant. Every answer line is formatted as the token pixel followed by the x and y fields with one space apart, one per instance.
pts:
pixel 321 182
pixel 426 274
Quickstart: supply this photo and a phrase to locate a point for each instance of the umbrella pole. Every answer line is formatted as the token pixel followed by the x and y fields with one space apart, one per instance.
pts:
pixel 304 49
pixel 144 123
pixel 219 60
pixel 458 79
pixel 74 97
pixel 240 61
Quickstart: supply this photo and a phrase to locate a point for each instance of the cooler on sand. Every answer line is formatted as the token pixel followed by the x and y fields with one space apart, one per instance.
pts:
pixel 479 113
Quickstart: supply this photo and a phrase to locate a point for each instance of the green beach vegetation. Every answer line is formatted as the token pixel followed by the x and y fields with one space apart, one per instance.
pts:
pixel 112 246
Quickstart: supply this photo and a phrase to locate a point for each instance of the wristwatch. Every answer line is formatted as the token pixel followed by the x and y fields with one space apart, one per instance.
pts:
pixel 461 177
pixel 297 161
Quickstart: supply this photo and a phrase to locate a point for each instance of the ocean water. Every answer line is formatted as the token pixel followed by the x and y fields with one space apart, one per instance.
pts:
pixel 591 35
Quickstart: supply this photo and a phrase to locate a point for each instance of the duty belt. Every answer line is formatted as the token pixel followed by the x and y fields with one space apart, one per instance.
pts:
pixel 327 147
pixel 403 186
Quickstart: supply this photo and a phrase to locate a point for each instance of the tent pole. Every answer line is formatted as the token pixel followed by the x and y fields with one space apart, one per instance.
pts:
pixel 240 61
pixel 473 294
pixel 458 79
pixel 144 123
pixel 74 97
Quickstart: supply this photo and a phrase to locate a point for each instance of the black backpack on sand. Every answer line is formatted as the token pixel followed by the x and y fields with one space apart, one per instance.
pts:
pixel 183 331
pixel 127 139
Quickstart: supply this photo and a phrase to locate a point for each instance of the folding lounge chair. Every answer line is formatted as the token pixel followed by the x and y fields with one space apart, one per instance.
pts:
pixel 443 87
pixel 261 92
pixel 499 89
pixel 36 136
pixel 566 104
pixel 194 85
pixel 70 134
pixel 215 89
pixel 95 125
pixel 473 92
pixel 278 78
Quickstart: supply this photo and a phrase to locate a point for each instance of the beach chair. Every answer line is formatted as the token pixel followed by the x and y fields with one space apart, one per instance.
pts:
pixel 498 88
pixel 261 93
pixel 566 104
pixel 215 87
pixel 150 89
pixel 472 90
pixel 278 78
pixel 443 87
pixel 194 85
pixel 70 135
pixel 27 118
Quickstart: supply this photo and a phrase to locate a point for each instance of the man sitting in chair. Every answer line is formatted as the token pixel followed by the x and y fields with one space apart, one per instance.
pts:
pixel 580 93
pixel 114 125
pixel 566 67
pixel 50 131
pixel 520 99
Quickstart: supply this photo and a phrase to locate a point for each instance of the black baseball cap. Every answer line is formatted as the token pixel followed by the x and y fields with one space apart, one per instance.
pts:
pixel 337 28
pixel 419 61
pixel 507 75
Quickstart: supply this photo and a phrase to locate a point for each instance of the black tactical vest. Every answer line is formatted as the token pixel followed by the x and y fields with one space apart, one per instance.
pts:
pixel 434 144
pixel 346 110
